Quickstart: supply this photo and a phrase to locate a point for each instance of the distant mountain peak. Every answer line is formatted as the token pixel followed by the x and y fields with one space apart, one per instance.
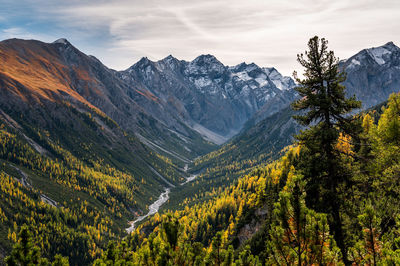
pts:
pixel 382 53
pixel 373 73
pixel 206 56
pixel 62 41
pixel 245 67
pixel 144 61
pixel 169 61
pixel 391 45
pixel 206 59
pixel 169 57
pixel 207 65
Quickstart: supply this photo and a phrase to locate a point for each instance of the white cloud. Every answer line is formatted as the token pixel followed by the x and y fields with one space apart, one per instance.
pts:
pixel 21 33
pixel 267 32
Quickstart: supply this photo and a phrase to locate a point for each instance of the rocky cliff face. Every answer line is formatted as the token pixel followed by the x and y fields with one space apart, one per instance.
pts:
pixel 213 99
pixel 373 74
pixel 168 101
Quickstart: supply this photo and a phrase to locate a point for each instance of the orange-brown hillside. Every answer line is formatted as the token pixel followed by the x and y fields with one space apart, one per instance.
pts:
pixel 36 71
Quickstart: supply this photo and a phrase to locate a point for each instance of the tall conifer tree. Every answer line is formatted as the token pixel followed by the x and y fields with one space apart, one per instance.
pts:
pixel 325 111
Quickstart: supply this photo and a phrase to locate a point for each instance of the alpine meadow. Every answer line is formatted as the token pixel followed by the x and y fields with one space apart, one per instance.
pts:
pixel 182 161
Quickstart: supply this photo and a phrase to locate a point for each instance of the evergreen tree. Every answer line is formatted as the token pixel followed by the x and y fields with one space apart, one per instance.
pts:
pixel 324 107
pixel 299 236
pixel 215 256
pixel 247 259
pixel 25 252
pixel 171 230
pixel 60 261
pixel 368 251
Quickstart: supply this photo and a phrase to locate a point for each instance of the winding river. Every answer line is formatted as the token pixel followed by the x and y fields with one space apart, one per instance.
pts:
pixel 153 209
pixel 163 198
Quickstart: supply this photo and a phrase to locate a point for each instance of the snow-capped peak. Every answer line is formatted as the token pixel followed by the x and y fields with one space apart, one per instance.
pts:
pixel 206 59
pixel 205 65
pixel 168 61
pixel 244 67
pixel 143 62
pixel 272 72
pixel 281 82
pixel 377 54
pixel 380 54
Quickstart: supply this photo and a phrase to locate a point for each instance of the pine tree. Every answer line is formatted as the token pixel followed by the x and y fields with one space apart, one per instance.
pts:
pixel 171 229
pixel 325 110
pixel 368 251
pixel 215 254
pixel 247 259
pixel 299 236
pixel 24 251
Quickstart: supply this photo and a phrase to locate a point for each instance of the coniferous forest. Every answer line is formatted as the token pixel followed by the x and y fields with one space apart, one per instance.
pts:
pixel 331 197
pixel 330 200
pixel 199 133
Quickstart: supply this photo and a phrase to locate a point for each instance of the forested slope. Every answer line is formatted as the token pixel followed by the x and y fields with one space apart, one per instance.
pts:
pixel 332 199
pixel 265 215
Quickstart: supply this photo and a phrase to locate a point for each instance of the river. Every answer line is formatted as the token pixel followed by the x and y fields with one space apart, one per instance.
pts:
pixel 163 198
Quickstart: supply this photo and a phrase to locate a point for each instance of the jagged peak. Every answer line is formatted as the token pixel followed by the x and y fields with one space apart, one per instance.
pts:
pixel 144 59
pixel 245 67
pixel 206 58
pixel 240 65
pixel 380 54
pixel 391 46
pixel 143 62
pixel 169 61
pixel 169 57
pixel 271 71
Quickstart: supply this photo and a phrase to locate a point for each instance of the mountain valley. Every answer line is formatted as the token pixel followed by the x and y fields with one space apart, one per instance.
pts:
pixel 85 149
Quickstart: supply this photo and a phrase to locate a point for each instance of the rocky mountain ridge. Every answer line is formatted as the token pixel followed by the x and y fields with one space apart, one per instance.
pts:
pixel 211 98
pixel 373 74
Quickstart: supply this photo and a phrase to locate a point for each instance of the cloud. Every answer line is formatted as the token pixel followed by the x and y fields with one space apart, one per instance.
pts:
pixel 20 33
pixel 267 32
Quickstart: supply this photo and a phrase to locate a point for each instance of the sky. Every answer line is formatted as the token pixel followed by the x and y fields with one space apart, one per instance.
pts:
pixel 266 32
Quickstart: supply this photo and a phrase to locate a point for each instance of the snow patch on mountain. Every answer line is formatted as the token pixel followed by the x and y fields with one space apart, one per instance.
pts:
pixel 242 75
pixel 207 91
pixel 378 53
pixel 262 80
pixel 353 64
pixel 202 82
pixel 281 82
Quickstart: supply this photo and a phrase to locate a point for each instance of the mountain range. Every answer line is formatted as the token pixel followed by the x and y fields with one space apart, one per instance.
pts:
pixel 177 108
pixel 77 134
pixel 371 76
